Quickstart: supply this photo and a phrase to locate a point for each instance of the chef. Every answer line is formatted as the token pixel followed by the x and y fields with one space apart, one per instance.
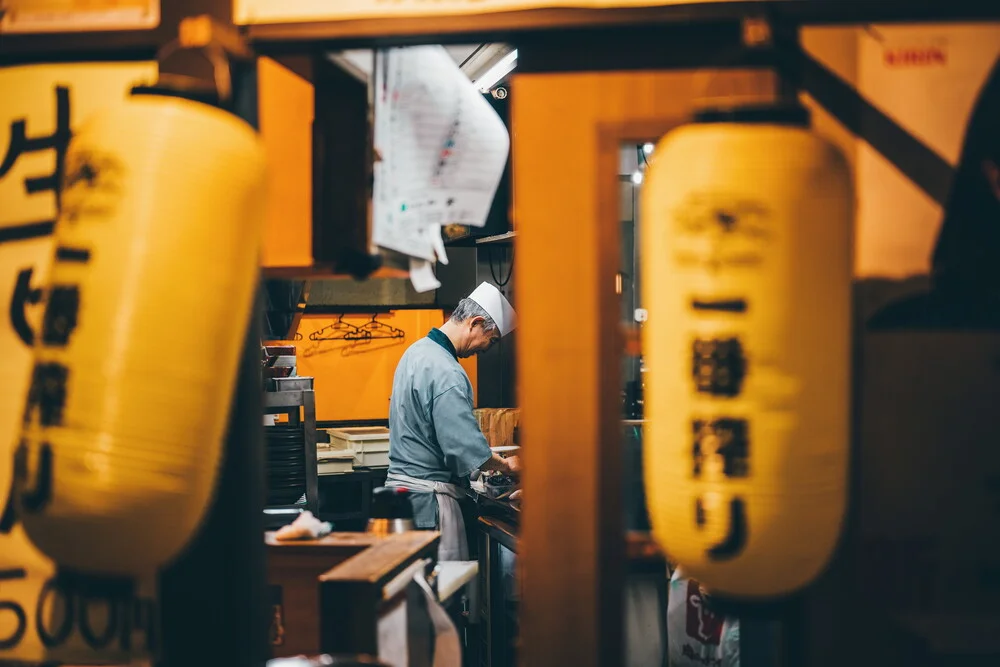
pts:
pixel 434 439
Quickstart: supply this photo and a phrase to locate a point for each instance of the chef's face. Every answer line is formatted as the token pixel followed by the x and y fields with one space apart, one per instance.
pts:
pixel 479 340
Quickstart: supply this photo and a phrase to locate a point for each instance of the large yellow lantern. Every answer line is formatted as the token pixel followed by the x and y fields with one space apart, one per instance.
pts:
pixel 746 273
pixel 44 615
pixel 153 278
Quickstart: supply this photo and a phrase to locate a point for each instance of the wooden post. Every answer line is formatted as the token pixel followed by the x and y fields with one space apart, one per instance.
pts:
pixel 567 133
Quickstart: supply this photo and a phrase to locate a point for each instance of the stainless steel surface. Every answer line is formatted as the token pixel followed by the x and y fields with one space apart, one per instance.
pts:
pixel 293 384
pixel 389 526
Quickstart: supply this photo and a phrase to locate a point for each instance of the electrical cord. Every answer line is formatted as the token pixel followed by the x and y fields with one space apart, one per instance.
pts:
pixel 642 157
pixel 493 273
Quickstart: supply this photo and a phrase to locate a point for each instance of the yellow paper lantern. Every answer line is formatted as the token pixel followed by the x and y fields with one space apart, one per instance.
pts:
pixel 746 274
pixel 151 289
pixel 44 617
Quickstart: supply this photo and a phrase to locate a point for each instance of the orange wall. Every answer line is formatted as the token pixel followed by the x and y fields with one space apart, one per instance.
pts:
pixel 896 223
pixel 286 114
pixel 353 379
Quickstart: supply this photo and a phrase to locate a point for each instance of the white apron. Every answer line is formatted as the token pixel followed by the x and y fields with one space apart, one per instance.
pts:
pixel 454 544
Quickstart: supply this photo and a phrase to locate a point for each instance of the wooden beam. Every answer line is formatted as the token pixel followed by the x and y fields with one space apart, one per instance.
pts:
pixel 111 45
pixel 572 546
pixel 513 25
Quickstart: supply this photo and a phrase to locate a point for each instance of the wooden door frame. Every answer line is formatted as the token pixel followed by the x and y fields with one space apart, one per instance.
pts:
pixel 567 132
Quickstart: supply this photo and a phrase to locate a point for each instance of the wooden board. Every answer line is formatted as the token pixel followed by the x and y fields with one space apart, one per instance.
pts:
pixel 386 558
pixel 359 561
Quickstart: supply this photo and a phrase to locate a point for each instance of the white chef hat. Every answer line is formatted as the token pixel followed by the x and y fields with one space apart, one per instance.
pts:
pixel 493 302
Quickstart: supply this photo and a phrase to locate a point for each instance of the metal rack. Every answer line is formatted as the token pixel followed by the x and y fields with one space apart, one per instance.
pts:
pixel 300 406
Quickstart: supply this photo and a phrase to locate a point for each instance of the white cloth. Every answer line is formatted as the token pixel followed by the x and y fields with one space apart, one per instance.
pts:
pixel 454 544
pixel 305 527
pixel 447 648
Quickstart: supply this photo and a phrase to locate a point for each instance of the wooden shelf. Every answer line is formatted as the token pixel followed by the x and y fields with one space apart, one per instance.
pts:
pixel 323 273
pixel 500 26
pixel 499 238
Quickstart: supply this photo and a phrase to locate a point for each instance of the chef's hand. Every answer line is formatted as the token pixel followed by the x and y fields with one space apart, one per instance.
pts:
pixel 513 465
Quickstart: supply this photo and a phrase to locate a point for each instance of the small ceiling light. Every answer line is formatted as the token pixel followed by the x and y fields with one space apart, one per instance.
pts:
pixel 637 177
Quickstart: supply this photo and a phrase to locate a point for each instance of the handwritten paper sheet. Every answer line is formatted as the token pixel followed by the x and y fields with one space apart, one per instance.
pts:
pixel 422 275
pixel 443 150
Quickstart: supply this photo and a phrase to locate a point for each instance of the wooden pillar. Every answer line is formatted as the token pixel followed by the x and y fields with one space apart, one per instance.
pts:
pixel 567 129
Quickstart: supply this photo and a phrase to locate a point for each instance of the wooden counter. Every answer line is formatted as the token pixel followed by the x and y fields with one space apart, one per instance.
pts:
pixel 329 592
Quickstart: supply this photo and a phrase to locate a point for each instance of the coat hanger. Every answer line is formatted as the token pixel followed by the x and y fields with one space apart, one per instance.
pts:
pixel 340 330
pixel 377 329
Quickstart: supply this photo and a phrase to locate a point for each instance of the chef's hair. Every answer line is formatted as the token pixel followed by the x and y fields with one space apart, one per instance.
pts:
pixel 468 308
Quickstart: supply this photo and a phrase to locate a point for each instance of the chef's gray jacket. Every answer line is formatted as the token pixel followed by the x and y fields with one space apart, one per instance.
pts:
pixel 433 434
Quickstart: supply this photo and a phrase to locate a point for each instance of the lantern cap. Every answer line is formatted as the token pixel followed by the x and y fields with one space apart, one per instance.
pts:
pixel 774 114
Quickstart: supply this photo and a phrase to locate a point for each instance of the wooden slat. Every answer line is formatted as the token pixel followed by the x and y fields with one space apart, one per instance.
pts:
pixel 295 569
pixel 331 540
pixel 351 594
pixel 385 558
pixel 572 544
pixel 309 272
pixel 356 566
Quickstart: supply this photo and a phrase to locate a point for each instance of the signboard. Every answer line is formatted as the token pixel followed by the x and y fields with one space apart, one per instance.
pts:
pixel 36 16
pixel 293 11
pixel 46 615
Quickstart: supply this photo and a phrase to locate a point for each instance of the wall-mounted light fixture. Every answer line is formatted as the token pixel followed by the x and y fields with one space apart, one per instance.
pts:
pixel 497 72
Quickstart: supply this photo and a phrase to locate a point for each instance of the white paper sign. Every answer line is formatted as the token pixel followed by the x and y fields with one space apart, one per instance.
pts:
pixel 443 150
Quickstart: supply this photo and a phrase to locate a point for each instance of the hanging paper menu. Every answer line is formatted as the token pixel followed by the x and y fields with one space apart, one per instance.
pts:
pixel 442 149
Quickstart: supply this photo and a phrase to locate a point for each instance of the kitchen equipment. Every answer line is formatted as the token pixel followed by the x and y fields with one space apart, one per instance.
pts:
pixel 496 485
pixel 370 444
pixel 392 511
pixel 297 383
pixel 334 461
pixel 270 372
pixel 285 464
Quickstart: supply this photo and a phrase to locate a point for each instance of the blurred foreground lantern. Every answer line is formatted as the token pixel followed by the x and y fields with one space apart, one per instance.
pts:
pixel 45 616
pixel 747 220
pixel 160 224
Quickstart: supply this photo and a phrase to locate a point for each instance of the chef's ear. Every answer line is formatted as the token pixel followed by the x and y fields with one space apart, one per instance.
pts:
pixel 477 320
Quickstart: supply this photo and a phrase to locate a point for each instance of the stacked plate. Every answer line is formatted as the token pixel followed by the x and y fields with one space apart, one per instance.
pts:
pixel 286 464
